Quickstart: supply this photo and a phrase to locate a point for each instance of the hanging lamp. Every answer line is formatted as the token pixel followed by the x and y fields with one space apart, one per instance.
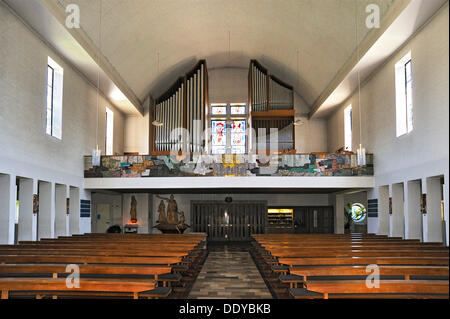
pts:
pixel 361 151
pixel 97 152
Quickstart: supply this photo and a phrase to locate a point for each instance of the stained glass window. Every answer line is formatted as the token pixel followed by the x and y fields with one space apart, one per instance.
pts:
pixel 358 212
pixel 238 137
pixel 219 110
pixel 219 137
pixel 230 117
pixel 237 109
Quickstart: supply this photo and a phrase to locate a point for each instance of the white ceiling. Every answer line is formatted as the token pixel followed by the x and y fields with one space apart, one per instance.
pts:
pixel 142 46
pixel 135 32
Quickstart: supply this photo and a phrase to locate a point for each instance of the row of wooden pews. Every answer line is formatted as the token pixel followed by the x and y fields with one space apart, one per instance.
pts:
pixel 110 265
pixel 338 265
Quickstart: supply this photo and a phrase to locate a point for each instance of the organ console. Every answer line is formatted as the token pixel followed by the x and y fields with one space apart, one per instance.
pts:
pixel 179 113
pixel 272 106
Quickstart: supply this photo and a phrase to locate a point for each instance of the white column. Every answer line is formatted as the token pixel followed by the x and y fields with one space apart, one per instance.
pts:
pixel 413 218
pixel 7 208
pixel 60 210
pixel 434 218
pixel 46 215
pixel 339 213
pixel 398 211
pixel 446 203
pixel 35 216
pixel 383 210
pixel 26 224
pixel 67 210
pixel 74 211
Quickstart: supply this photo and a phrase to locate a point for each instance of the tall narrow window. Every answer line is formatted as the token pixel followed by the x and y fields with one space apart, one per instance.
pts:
pixel 54 99
pixel 348 127
pixel 403 95
pixel 109 131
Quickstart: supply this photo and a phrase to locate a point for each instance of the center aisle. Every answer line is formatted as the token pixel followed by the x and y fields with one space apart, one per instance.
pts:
pixel 229 272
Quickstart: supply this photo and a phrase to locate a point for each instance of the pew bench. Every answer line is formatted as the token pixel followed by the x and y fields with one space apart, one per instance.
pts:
pixel 429 288
pixel 301 274
pixel 52 286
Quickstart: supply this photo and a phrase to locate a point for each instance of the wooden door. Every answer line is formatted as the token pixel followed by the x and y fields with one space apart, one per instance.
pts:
pixel 314 220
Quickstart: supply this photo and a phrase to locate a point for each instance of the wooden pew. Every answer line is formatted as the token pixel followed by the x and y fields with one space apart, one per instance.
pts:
pixel 71 259
pixel 58 270
pixel 52 286
pixel 342 255
pixel 97 252
pixel 154 272
pixel 115 258
pixel 360 270
pixel 292 262
pixel 305 253
pixel 423 287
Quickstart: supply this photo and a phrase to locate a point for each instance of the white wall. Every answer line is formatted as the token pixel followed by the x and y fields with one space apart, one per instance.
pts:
pixel 425 151
pixel 137 135
pixel 23 75
pixel 26 150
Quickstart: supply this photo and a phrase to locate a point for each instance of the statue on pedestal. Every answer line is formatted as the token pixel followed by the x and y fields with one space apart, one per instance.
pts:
pixel 133 213
pixel 162 219
pixel 168 222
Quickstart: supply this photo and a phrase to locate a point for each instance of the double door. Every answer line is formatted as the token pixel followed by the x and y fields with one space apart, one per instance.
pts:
pixel 314 220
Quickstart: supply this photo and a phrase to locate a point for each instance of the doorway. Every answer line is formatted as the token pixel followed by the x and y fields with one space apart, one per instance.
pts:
pixel 103 218
pixel 314 220
pixel 228 221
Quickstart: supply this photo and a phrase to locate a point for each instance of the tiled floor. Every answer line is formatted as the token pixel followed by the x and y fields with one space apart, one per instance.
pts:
pixel 229 272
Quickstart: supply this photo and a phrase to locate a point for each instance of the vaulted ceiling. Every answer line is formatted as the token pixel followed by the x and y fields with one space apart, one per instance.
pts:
pixel 152 42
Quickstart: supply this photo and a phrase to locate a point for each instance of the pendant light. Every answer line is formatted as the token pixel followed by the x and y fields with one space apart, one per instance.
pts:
pixel 361 151
pixel 96 152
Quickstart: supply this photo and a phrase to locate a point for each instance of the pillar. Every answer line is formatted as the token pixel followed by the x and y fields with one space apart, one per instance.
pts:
pixel 74 214
pixel 434 216
pixel 27 222
pixel 60 210
pixel 7 208
pixel 339 213
pixel 413 216
pixel 46 215
pixel 398 211
pixel 446 217
pixel 383 210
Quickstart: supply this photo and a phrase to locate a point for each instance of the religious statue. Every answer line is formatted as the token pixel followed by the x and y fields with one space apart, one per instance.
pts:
pixel 162 213
pixel 172 209
pixel 182 224
pixel 133 209
pixel 168 220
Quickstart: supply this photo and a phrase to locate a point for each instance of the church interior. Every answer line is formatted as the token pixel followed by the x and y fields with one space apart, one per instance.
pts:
pixel 220 149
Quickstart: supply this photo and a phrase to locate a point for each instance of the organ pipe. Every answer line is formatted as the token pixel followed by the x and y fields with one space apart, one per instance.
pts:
pixel 179 107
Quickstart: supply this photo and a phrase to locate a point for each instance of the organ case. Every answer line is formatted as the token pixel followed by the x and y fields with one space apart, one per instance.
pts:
pixel 180 107
pixel 272 106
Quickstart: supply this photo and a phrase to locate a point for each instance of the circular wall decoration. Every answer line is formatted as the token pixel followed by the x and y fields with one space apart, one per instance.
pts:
pixel 358 212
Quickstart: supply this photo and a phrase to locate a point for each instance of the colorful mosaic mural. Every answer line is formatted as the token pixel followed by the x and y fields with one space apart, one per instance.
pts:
pixel 229 165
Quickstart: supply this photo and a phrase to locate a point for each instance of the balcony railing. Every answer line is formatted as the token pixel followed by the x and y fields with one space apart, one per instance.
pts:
pixel 314 164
